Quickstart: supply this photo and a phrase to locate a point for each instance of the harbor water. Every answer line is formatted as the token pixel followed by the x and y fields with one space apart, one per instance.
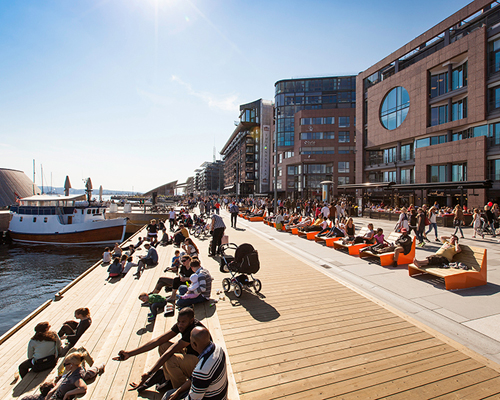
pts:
pixel 32 274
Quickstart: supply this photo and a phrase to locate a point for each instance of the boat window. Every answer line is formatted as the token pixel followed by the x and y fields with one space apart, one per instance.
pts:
pixel 88 211
pixel 20 219
pixel 34 219
pixel 93 211
pixel 82 211
pixel 45 219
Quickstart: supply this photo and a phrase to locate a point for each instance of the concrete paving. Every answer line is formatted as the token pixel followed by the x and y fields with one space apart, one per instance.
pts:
pixel 469 316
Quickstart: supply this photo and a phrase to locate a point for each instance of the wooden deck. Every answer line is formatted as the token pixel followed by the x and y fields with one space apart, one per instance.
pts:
pixel 304 336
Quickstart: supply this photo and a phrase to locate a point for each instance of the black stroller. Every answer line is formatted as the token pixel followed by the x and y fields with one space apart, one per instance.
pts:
pixel 244 262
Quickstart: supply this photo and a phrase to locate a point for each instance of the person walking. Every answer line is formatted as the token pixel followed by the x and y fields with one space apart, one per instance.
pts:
pixel 458 220
pixel 432 216
pixel 234 210
pixel 217 228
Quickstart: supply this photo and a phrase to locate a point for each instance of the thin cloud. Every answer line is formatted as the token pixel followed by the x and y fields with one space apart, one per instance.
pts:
pixel 228 103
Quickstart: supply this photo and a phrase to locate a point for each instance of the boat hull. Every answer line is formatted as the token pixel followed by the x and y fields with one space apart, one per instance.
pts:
pixel 92 236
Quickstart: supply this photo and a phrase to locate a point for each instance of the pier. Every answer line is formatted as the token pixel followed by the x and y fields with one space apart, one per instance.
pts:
pixel 325 325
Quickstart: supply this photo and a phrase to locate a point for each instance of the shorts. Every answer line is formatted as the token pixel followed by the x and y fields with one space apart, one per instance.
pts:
pixel 437 260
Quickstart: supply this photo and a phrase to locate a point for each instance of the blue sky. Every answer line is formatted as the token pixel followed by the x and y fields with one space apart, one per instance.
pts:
pixel 136 93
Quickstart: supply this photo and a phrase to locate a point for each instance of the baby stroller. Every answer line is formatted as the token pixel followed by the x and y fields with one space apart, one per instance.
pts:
pixel 244 262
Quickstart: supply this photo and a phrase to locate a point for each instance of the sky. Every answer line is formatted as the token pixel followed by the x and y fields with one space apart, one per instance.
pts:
pixel 137 93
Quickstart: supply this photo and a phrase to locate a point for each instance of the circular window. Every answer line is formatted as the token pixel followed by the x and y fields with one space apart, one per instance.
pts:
pixel 395 108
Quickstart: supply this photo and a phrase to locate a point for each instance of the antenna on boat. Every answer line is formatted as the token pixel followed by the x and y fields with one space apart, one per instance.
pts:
pixel 67 186
pixel 34 182
pixel 41 171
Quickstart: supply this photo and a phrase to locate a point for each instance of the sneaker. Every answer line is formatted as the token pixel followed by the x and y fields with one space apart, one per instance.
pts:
pixel 437 240
pixel 427 240
pixel 150 315
pixel 152 319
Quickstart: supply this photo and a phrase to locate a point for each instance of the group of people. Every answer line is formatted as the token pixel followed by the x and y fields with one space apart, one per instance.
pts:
pixel 46 347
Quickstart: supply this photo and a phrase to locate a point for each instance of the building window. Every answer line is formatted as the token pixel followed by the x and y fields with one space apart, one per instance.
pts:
pixel 459 172
pixel 329 135
pixel 459 77
pixel 437 173
pixel 318 168
pixel 344 137
pixel 494 98
pixel 343 167
pixel 494 170
pixel 390 155
pixel 344 122
pixel 459 110
pixel 438 139
pixel 395 108
pixel 494 56
pixel 346 149
pixel 439 84
pixel 280 158
pixel 407 176
pixel 389 176
pixel 343 180
pixel 480 131
pixel 407 152
pixel 317 150
pixel 329 120
pixel 288 154
pixel 439 115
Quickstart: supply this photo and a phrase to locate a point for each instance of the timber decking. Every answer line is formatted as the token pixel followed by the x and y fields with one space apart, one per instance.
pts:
pixel 304 336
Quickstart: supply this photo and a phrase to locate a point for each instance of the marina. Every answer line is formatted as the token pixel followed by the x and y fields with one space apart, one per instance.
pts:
pixel 320 334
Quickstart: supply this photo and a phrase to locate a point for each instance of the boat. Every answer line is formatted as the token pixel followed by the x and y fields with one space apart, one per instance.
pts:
pixel 69 219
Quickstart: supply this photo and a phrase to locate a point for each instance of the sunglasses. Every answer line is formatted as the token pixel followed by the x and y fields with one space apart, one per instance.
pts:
pixel 66 364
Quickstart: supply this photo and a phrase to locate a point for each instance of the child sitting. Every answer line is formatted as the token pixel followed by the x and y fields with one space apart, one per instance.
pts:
pixel 191 294
pixel 106 256
pixel 176 262
pixel 128 265
pixel 156 304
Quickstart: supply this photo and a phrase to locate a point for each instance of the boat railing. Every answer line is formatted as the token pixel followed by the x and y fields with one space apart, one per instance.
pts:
pixel 60 214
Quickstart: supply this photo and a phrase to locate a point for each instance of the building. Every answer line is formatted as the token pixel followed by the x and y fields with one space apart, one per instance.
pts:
pixel 247 152
pixel 166 190
pixel 315 129
pixel 429 115
pixel 14 183
pixel 209 178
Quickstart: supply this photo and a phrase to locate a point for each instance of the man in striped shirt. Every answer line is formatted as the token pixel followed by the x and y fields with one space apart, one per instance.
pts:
pixel 209 378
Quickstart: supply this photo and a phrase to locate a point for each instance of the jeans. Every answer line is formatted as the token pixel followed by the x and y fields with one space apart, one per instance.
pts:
pixel 187 302
pixel 234 218
pixel 419 235
pixel 155 308
pixel 432 225
pixel 216 240
pixel 457 227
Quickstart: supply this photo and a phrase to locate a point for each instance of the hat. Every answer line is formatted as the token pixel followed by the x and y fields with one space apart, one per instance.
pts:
pixel 403 230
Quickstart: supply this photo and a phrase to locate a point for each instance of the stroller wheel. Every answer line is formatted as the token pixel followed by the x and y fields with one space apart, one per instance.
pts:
pixel 226 284
pixel 238 289
pixel 257 285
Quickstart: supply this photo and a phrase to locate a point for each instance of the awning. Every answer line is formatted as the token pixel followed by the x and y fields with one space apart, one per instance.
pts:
pixel 367 185
pixel 486 184
pixel 229 187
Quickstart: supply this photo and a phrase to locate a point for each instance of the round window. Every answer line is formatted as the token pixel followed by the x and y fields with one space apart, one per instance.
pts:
pixel 395 108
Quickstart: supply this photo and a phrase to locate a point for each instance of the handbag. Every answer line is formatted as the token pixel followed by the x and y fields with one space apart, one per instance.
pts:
pixel 45 363
pixel 427 222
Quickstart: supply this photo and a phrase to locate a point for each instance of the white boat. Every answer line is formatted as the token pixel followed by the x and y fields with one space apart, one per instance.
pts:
pixel 72 219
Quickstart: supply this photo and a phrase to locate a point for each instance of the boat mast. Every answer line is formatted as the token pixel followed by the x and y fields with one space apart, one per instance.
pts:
pixel 34 182
pixel 41 169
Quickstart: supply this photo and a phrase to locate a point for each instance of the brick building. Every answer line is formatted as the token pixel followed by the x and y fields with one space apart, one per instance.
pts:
pixel 429 115
pixel 315 129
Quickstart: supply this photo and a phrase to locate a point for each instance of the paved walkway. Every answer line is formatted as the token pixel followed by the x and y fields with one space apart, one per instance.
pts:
pixel 307 335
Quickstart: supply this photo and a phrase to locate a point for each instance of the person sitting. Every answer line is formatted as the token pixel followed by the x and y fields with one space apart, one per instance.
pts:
pixel 192 288
pixel 316 226
pixel 183 274
pixel 128 265
pixel 444 254
pixel 165 239
pixel 324 228
pixel 176 262
pixel 178 358
pixel 73 330
pixel 180 235
pixel 130 250
pixel 71 383
pixel 307 221
pixel 117 251
pixel 115 269
pixel 45 388
pixel 403 245
pixel 366 238
pixel 203 290
pixel 139 242
pixel 209 377
pixel 150 259
pixel 350 229
pixel 106 256
pixel 43 349
pixel 156 304
pixel 380 242
pixel 190 248
pixel 337 230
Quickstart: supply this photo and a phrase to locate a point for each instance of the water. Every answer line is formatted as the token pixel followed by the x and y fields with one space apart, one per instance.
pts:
pixel 32 274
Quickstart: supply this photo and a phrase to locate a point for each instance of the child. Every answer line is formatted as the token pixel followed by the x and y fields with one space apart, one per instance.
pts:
pixel 476 223
pixel 193 286
pixel 115 269
pixel 176 262
pixel 128 265
pixel 156 304
pixel 106 256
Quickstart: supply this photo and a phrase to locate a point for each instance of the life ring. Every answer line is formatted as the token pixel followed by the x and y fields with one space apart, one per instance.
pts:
pixel 75 210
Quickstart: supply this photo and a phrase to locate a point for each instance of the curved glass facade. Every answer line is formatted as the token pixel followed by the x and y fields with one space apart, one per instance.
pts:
pixel 394 108
pixel 309 94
